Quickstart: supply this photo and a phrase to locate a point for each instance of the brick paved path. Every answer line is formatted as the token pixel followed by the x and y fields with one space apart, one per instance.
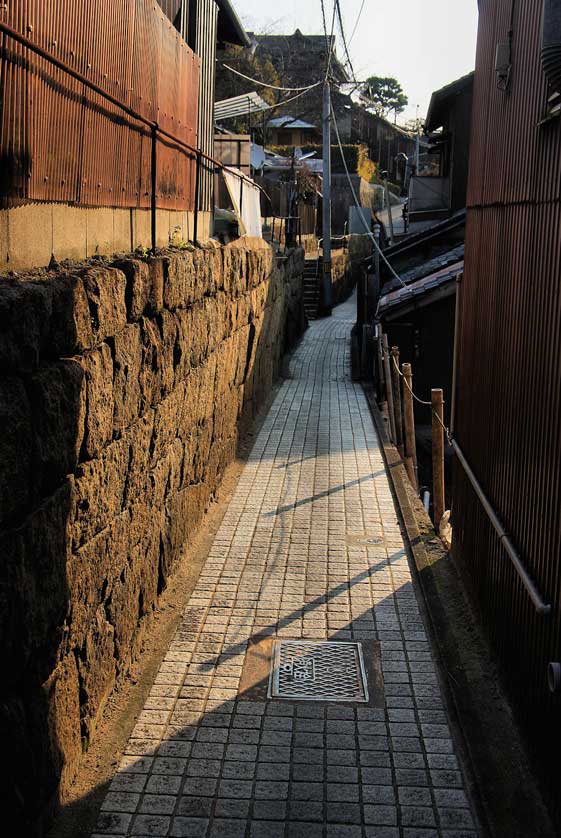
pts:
pixel 202 761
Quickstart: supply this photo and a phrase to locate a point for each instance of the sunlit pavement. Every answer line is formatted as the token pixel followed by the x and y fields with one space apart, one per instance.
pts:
pixel 311 549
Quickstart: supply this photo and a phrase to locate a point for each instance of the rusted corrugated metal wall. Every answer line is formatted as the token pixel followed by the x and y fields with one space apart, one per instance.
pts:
pixel 60 141
pixel 509 378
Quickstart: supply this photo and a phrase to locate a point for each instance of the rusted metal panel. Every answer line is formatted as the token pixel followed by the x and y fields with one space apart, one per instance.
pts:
pixel 60 141
pixel 508 416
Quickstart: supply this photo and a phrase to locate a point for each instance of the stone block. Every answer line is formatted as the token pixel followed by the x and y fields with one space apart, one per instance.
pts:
pixel 57 392
pixel 98 368
pixel 167 325
pixel 138 286
pixel 179 280
pixel 166 422
pixel 105 290
pixel 62 691
pixel 34 589
pixel 25 315
pixel 15 450
pixel 127 361
pixel 156 270
pixel 151 365
pixel 92 571
pixel 71 329
pixel 100 489
pixel 96 668
pixel 139 440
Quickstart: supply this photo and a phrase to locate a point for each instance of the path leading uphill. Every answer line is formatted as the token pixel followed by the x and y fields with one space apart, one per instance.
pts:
pixel 310 549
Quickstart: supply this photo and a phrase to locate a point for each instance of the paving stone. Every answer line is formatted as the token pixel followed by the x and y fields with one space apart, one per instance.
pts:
pixel 230 828
pixel 306 829
pixel 150 825
pixel 342 812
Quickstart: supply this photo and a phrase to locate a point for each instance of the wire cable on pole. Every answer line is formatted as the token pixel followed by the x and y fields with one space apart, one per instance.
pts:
pixel 343 38
pixel 355 27
pixel 272 86
pixel 329 39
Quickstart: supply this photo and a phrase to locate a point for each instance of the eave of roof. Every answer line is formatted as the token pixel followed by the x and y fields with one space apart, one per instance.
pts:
pixel 230 28
pixel 440 97
pixel 420 293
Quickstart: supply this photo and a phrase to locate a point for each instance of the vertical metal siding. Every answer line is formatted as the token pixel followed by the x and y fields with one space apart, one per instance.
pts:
pixel 61 142
pixel 206 24
pixel 509 376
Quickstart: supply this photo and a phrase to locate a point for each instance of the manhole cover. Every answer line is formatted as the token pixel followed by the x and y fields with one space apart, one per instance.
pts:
pixel 364 539
pixel 317 671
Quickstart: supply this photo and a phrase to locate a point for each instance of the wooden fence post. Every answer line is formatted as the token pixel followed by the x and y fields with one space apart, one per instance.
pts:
pixel 437 456
pixel 396 388
pixel 388 379
pixel 409 423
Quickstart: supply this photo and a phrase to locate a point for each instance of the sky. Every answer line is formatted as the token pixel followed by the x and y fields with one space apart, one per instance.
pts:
pixel 423 45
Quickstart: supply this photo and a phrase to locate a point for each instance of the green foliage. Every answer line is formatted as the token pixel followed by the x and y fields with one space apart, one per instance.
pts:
pixel 383 95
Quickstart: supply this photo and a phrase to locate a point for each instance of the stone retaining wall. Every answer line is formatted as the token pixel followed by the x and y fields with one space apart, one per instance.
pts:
pixel 122 389
pixel 346 266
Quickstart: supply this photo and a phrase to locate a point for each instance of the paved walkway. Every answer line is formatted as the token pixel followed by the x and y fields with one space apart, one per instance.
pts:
pixel 288 561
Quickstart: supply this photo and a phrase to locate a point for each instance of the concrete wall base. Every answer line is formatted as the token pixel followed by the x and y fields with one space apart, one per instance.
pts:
pixel 30 235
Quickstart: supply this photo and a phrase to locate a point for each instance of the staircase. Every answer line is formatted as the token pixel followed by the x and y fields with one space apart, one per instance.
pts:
pixel 311 288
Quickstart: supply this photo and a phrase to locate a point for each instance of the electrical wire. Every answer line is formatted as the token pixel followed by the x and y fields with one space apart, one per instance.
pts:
pixel 272 86
pixel 343 38
pixel 329 39
pixel 355 27
pixel 290 99
pixel 357 204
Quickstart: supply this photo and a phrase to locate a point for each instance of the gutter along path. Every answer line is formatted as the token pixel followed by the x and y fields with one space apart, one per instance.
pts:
pixel 309 549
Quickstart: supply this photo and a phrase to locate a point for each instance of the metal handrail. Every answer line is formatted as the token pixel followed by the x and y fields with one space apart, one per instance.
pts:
pixel 154 126
pixel 541 607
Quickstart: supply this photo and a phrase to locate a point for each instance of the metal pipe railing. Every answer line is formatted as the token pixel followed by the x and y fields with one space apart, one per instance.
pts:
pixel 541 607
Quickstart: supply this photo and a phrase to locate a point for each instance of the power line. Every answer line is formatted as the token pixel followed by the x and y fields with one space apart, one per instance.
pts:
pixel 272 86
pixel 291 99
pixel 355 27
pixel 329 39
pixel 345 46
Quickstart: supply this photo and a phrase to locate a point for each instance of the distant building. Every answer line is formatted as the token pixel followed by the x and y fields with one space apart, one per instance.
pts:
pixel 440 190
pixel 288 130
pixel 386 142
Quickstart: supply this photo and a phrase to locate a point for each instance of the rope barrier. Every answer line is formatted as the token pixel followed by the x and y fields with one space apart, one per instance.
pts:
pixel 422 401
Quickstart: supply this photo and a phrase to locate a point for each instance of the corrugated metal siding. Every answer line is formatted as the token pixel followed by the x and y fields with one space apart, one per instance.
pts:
pixel 61 142
pixel 509 378
pixel 203 25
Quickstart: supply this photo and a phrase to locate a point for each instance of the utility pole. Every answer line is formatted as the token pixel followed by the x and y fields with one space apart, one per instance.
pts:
pixel 325 295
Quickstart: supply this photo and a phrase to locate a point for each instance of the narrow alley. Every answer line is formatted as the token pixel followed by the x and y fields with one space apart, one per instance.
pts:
pixel 310 549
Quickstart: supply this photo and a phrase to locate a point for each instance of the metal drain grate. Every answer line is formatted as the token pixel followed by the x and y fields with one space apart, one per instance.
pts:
pixel 308 670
